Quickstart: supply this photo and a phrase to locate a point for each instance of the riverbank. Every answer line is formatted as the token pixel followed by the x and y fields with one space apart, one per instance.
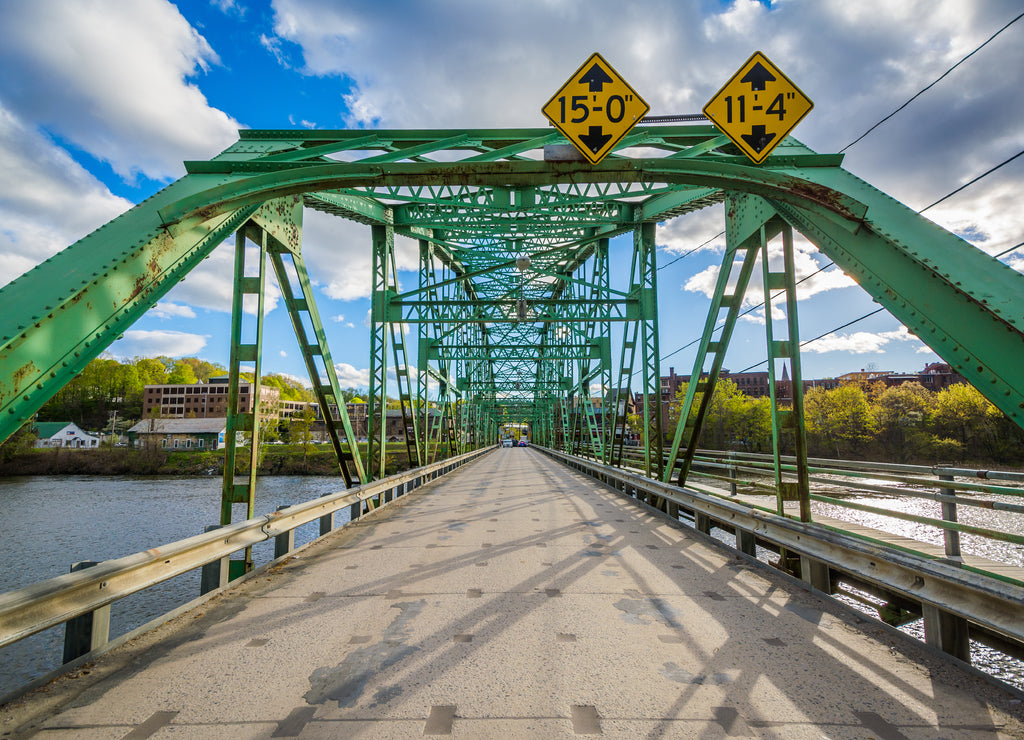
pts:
pixel 277 460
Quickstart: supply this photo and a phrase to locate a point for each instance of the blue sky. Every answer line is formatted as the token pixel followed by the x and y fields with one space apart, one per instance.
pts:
pixel 100 102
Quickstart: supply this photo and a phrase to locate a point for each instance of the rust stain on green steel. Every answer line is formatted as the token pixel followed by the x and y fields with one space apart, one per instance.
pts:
pixel 26 371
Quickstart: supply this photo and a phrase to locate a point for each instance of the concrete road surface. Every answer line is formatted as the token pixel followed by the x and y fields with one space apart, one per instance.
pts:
pixel 517 599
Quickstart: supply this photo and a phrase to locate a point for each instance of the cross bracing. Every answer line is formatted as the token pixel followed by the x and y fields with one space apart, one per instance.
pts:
pixel 515 317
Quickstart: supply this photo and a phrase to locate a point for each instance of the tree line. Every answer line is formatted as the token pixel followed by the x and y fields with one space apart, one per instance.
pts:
pixel 107 386
pixel 870 421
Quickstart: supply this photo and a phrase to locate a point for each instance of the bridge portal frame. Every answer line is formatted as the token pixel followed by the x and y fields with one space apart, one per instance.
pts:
pixel 480 198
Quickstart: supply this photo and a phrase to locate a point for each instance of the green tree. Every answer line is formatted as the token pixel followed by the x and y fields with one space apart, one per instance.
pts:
pixel 901 416
pixel 18 443
pixel 301 431
pixel 150 371
pixel 202 369
pixel 290 389
pixel 838 420
pixel 724 415
pixel 182 373
pixel 754 424
pixel 963 414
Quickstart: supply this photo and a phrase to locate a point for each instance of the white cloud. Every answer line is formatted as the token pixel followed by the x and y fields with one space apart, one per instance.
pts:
pixel 113 78
pixel 39 182
pixel 229 7
pixel 806 261
pixel 338 319
pixel 861 342
pixel 139 343
pixel 339 253
pixel 210 283
pixel 283 353
pixel 349 376
pixel 165 310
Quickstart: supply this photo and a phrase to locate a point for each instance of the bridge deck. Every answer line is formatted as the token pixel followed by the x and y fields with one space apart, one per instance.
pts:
pixel 516 598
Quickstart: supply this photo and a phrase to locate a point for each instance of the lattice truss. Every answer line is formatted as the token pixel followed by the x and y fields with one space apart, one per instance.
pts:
pixel 482 338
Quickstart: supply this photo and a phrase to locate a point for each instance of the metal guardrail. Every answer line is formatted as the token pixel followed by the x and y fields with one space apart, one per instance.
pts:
pixel 910 479
pixel 26 611
pixel 955 602
pixel 756 471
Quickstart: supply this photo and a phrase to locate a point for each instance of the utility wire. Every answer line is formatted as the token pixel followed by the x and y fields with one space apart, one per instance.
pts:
pixel 1005 252
pixel 822 336
pixel 968 184
pixel 687 254
pixel 937 80
pixel 932 205
pixel 825 267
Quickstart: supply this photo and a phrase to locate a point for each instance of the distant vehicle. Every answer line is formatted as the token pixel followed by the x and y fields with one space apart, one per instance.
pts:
pixel 523 443
pixel 506 443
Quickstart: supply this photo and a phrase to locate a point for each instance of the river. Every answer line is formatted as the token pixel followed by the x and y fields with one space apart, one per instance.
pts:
pixel 50 522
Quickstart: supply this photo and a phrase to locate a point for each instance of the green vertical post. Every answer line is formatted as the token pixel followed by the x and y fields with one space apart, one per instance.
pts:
pixel 242 351
pixel 792 419
pixel 376 417
pixel 653 459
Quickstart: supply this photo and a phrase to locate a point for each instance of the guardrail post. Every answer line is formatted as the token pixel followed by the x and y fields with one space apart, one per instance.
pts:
pixel 702 522
pixel 745 542
pixel 815 574
pixel 326 522
pixel 215 574
pixel 284 543
pixel 732 473
pixel 947 632
pixel 88 632
pixel 950 536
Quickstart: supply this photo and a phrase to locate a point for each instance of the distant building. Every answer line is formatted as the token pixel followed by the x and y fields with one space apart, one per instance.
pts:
pixel 179 434
pixel 64 434
pixel 204 400
pixel 356 410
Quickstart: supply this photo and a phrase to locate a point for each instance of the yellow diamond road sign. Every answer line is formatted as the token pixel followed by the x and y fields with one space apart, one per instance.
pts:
pixel 595 108
pixel 758 107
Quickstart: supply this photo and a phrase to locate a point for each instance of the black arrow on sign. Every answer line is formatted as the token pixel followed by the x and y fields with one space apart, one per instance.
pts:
pixel 757 139
pixel 757 76
pixel 596 78
pixel 597 139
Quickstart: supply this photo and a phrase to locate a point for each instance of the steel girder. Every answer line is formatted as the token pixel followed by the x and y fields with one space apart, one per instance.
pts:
pixel 491 200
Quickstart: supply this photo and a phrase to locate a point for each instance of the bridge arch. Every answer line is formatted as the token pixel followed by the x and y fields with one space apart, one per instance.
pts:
pixel 501 193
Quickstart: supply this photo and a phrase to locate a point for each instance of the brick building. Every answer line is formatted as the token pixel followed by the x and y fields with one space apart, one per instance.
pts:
pixel 204 400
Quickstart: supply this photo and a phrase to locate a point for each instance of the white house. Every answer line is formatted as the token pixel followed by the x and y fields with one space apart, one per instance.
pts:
pixel 63 434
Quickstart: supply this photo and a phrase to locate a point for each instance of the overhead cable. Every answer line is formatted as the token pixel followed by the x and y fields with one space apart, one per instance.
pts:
pixel 935 82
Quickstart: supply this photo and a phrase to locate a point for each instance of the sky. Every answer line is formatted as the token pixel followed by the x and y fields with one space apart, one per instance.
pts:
pixel 101 101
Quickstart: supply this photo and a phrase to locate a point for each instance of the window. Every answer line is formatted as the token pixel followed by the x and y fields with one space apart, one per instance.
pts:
pixel 175 443
pixel 188 444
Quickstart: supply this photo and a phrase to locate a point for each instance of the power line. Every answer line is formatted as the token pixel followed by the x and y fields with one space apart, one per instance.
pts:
pixel 937 80
pixel 1005 252
pixel 932 205
pixel 822 336
pixel 968 184
pixel 687 254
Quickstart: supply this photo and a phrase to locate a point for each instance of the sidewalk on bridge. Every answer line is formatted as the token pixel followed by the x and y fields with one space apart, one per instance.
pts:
pixel 516 598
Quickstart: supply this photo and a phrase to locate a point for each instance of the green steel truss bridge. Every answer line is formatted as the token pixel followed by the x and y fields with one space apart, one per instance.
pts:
pixel 515 313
